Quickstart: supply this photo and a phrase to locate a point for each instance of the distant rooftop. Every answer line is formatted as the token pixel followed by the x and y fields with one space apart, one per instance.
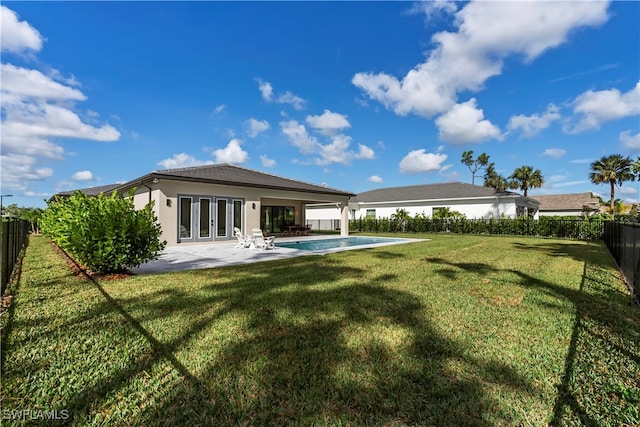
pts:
pixel 448 190
pixel 559 202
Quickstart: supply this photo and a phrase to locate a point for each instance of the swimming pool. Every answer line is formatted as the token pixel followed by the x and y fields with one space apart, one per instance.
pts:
pixel 337 243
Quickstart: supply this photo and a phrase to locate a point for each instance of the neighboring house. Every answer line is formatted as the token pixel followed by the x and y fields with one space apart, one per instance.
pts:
pixel 205 203
pixel 568 204
pixel 472 200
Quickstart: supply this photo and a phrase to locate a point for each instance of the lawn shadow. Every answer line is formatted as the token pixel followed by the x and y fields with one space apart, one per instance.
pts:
pixel 307 352
pixel 595 303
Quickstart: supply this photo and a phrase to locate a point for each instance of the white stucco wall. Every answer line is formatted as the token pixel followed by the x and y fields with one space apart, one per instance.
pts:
pixel 479 208
pixel 165 193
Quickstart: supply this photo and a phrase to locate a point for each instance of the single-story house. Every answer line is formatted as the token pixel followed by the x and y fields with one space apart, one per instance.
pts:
pixel 568 204
pixel 204 203
pixel 473 201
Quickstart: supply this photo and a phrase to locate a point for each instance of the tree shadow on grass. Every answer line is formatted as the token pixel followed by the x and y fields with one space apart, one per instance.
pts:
pixel 298 341
pixel 605 318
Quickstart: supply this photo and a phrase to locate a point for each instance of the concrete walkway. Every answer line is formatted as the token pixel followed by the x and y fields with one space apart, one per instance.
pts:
pixel 194 256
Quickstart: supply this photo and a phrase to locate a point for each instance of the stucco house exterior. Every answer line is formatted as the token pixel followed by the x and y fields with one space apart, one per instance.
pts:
pixel 472 200
pixel 203 204
pixel 568 204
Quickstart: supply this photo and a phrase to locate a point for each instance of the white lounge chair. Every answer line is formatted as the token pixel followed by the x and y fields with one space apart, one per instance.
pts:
pixel 261 242
pixel 243 241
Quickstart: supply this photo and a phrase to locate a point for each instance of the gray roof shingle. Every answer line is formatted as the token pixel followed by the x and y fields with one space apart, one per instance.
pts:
pixel 92 191
pixel 556 202
pixel 449 190
pixel 228 174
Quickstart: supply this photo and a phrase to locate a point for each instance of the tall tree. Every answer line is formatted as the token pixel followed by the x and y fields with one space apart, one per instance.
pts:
pixel 493 179
pixel 474 165
pixel 524 178
pixel 612 170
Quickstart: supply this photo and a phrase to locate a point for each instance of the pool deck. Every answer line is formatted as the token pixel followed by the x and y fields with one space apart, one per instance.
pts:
pixel 212 255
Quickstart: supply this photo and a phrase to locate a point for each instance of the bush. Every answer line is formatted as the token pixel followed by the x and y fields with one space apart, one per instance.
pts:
pixel 583 229
pixel 105 234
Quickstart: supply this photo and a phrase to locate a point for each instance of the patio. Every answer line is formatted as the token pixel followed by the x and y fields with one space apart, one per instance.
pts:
pixel 194 257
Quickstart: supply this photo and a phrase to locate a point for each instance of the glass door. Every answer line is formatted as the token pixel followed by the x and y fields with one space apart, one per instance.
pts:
pixel 229 214
pixel 221 218
pixel 195 220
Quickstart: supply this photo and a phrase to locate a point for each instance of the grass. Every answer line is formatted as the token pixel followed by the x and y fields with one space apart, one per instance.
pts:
pixel 458 330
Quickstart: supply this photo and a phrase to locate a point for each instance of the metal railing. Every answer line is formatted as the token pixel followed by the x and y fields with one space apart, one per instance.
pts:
pixel 623 241
pixel 13 237
pixel 324 224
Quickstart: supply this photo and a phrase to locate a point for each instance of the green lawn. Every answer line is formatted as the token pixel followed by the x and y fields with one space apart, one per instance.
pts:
pixel 458 330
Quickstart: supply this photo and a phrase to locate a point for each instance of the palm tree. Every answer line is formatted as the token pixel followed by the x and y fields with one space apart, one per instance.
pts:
pixel 613 169
pixel 524 178
pixel 474 165
pixel 493 179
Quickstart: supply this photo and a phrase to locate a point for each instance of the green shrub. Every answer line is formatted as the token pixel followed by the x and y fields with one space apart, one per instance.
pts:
pixel 104 233
pixel 573 228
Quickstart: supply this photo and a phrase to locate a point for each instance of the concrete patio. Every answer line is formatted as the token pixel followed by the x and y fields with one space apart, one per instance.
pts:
pixel 193 257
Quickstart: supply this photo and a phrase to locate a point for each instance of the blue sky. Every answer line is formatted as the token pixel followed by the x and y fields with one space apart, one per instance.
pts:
pixel 356 95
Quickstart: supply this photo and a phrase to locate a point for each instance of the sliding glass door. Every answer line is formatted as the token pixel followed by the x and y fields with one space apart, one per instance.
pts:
pixel 276 219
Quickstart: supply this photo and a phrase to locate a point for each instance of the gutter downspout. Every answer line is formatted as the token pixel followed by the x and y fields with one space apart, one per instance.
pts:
pixel 149 188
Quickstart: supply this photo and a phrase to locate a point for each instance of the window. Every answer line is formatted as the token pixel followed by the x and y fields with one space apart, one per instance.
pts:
pixel 371 213
pixel 274 219
pixel 435 211
pixel 185 217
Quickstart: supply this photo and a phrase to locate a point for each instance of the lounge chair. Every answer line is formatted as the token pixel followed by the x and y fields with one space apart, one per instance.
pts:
pixel 243 241
pixel 261 242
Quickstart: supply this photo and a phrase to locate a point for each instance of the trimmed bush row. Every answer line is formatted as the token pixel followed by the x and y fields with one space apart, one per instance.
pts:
pixel 522 226
pixel 105 234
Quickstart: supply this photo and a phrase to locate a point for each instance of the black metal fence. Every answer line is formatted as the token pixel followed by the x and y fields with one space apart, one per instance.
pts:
pixel 623 241
pixel 13 237
pixel 324 224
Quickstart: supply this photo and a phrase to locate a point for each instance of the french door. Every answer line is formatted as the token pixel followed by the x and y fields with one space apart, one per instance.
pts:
pixel 228 215
pixel 195 221
pixel 208 218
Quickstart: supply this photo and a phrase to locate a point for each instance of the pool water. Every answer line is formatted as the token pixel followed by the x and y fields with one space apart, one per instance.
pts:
pixel 343 242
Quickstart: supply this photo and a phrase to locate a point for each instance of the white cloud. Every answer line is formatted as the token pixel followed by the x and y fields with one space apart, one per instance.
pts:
pixel 20 84
pixel 465 124
pixel 266 89
pixel 290 98
pixel 255 127
pixel 337 151
pixel 85 175
pixel 20 170
pixel 297 134
pixel 182 160
pixel 365 152
pixel 47 120
pixel 375 178
pixel 629 141
pixel 533 124
pixel 626 190
pixel 433 8
pixel 37 107
pixel 328 123
pixel 596 107
pixel 219 109
pixel 267 162
pixel 17 35
pixel 486 34
pixel 554 153
pixel 417 161
pixel 581 161
pixel 232 153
